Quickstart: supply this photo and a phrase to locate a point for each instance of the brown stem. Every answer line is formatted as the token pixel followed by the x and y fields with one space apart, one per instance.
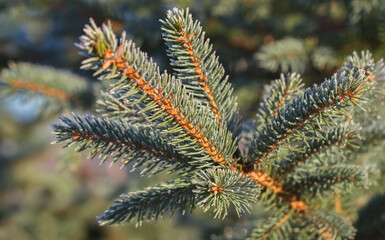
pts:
pixel 281 101
pixel 185 41
pixel 279 223
pixel 162 101
pixel 49 91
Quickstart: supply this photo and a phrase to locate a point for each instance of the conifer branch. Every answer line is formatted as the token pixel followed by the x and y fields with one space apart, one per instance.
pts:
pixel 342 90
pixel 188 123
pixel 35 87
pixel 319 142
pixel 277 95
pixel 328 225
pixel 163 94
pixel 275 227
pixel 150 203
pixel 196 65
pixel 59 86
pixel 108 138
pixel 322 179
pixel 218 188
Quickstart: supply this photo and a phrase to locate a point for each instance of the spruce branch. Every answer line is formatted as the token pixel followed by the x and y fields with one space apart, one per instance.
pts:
pixel 164 98
pixel 150 203
pixel 120 141
pixel 321 179
pixel 187 123
pixel 217 189
pixel 197 66
pixel 113 105
pixel 57 87
pixel 341 91
pixel 265 180
pixel 277 95
pixel 336 136
pixel 275 227
pixel 328 225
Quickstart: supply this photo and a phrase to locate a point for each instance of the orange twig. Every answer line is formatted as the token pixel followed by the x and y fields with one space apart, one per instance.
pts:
pixel 185 40
pixel 20 84
pixel 265 180
pixel 163 101
pixel 281 101
pixel 325 233
pixel 337 204
pixel 279 223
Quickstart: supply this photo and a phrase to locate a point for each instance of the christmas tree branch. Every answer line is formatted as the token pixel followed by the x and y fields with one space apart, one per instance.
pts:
pixel 35 87
pixel 196 65
pixel 165 94
pixel 278 94
pixel 328 225
pixel 321 179
pixel 272 227
pixel 150 203
pixel 339 91
pixel 122 141
pixel 320 142
pixel 188 124
pixel 58 86
pixel 218 188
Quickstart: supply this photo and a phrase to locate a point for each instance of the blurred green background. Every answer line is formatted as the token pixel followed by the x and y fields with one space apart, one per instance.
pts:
pixel 47 193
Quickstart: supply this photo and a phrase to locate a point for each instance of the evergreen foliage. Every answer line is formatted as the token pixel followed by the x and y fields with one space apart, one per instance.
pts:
pixel 57 88
pixel 191 127
pixel 150 203
pixel 301 151
pixel 276 227
pixel 117 139
pixel 228 187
